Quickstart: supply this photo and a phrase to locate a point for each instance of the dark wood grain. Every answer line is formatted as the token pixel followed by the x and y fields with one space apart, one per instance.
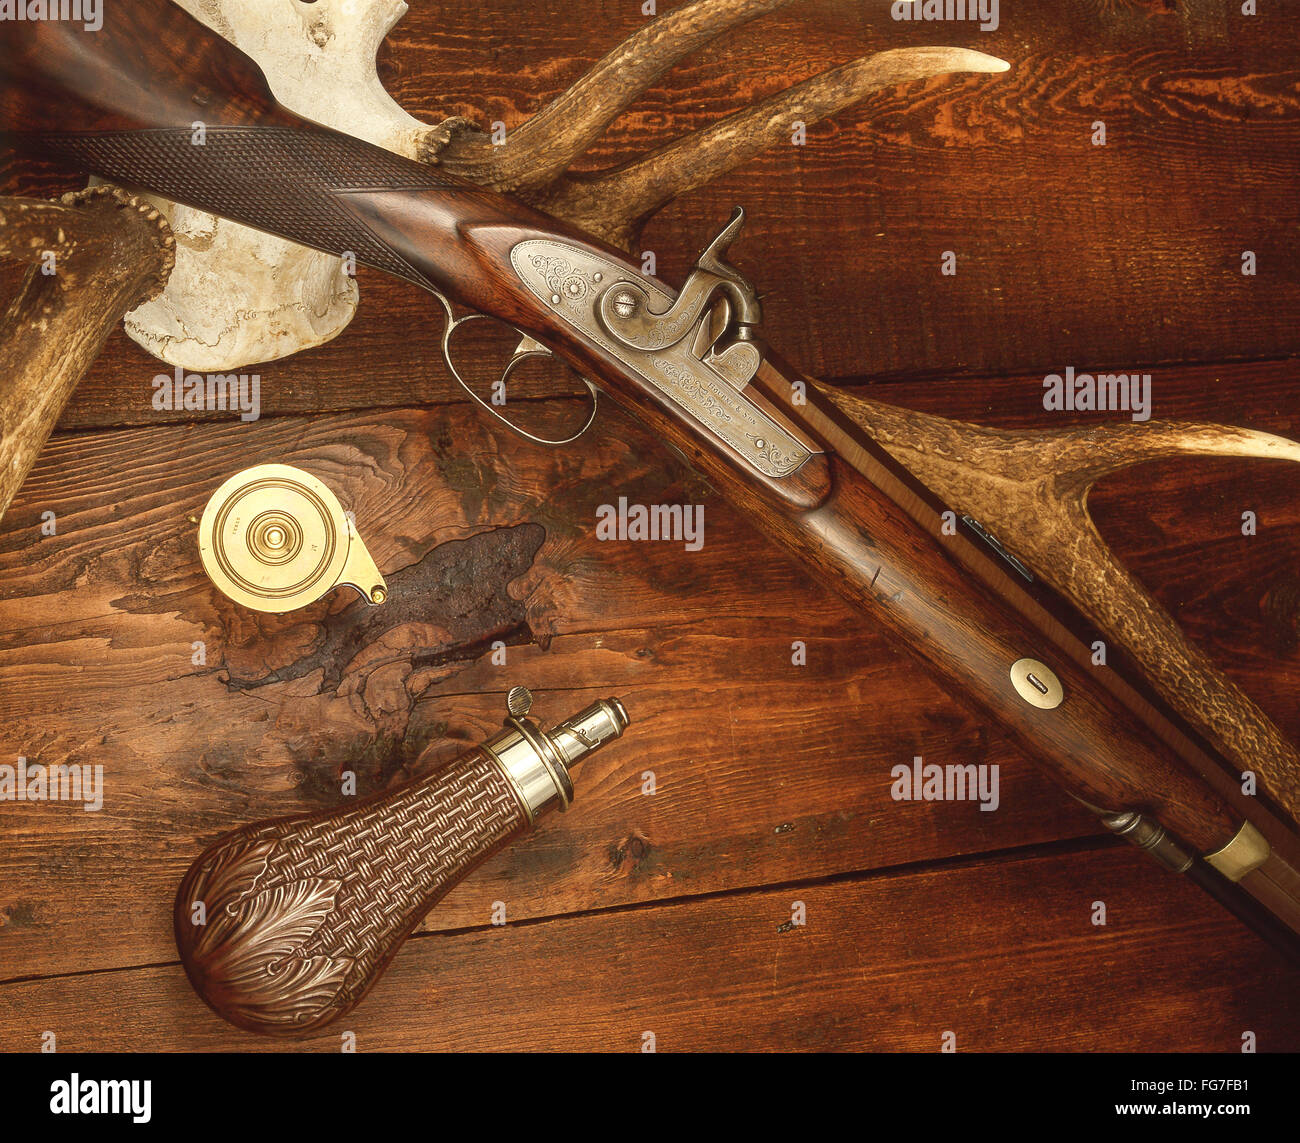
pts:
pixel 156 67
pixel 1017 965
pixel 97 626
pixel 848 512
pixel 99 622
pixel 1069 255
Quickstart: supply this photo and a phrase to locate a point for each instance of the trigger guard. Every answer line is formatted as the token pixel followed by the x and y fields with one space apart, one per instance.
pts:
pixel 453 323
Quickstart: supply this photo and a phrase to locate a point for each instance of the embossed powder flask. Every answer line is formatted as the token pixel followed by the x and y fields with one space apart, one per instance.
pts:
pixel 284 925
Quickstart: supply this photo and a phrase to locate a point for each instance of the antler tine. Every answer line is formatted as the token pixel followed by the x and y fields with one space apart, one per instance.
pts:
pixel 1030 488
pixel 1131 444
pixel 612 205
pixel 541 149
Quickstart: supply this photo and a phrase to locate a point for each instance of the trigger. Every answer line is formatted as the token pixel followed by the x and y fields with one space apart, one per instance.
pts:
pixel 528 347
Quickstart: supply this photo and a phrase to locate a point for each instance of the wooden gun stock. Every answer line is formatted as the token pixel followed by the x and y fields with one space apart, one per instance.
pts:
pixel 158 102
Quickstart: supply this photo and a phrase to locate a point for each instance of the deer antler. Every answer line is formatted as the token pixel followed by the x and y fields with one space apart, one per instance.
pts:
pixel 535 160
pixel 97 253
pixel 614 205
pixel 319 59
pixel 1030 489
pixel 543 148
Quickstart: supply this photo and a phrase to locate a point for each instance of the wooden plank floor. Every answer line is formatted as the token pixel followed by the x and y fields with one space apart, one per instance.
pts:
pixel 668 914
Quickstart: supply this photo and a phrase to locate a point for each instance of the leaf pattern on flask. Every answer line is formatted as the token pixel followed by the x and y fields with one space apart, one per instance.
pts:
pixel 253 951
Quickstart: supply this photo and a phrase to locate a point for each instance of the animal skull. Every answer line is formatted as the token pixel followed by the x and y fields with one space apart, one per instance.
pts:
pixel 236 295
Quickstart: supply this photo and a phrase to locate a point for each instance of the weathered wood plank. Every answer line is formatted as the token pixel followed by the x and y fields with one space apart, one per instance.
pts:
pixel 98 624
pixel 1016 965
pixel 767 774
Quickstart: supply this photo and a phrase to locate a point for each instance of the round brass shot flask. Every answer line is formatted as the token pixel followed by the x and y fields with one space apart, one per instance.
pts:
pixel 274 538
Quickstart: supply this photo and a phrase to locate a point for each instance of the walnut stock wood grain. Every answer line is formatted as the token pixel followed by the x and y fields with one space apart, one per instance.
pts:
pixel 1033 488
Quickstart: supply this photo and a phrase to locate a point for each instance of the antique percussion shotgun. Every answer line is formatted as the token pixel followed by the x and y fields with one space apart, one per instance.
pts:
pixel 156 101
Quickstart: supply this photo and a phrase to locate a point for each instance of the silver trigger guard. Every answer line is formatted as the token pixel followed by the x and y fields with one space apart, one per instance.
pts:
pixel 453 323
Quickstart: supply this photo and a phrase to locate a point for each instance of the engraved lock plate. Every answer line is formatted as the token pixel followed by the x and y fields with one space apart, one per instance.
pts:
pixel 274 538
pixel 648 329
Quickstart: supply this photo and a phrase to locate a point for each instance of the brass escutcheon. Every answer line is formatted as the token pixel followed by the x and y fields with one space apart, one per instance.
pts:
pixel 1037 684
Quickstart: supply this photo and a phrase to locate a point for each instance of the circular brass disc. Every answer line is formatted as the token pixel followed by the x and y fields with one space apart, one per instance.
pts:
pixel 273 538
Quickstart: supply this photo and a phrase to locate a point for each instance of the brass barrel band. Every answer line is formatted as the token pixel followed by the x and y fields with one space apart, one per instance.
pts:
pixel 1247 851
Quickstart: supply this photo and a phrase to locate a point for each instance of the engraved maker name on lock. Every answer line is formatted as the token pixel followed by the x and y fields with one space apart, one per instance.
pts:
pixel 696 348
